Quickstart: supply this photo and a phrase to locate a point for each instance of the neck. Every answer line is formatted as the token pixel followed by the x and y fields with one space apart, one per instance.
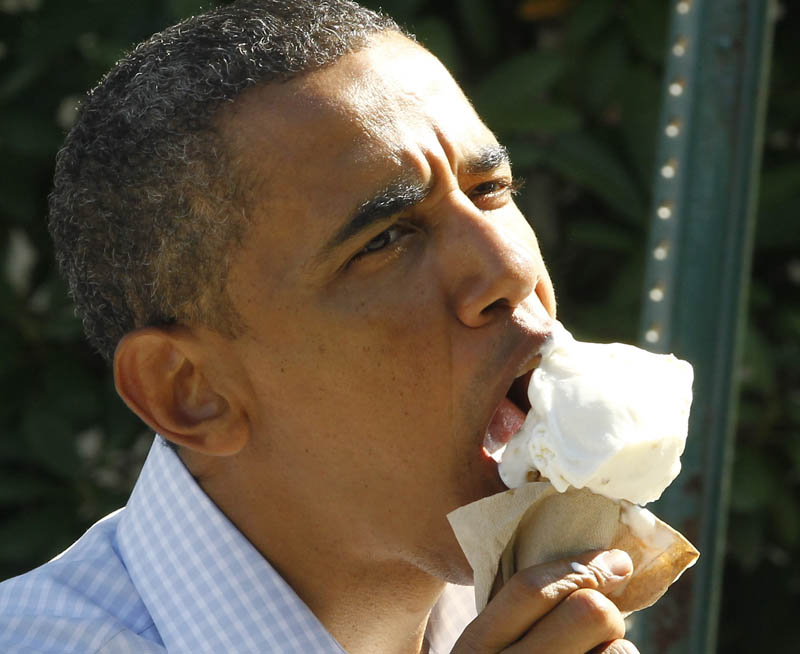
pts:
pixel 368 598
pixel 382 609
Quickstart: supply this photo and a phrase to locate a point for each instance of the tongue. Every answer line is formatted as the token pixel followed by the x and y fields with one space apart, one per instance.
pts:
pixel 506 422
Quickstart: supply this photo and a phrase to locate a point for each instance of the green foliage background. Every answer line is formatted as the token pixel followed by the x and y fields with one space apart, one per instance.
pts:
pixel 575 95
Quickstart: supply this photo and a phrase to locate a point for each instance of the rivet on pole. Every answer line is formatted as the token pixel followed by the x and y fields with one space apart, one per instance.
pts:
pixel 661 251
pixel 653 334
pixel 676 88
pixel 679 48
pixel 664 211
pixel 683 6
pixel 656 293
pixel 673 128
pixel 669 169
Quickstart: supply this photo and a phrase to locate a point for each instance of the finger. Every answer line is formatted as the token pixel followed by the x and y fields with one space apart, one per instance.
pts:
pixel 617 647
pixel 585 619
pixel 535 591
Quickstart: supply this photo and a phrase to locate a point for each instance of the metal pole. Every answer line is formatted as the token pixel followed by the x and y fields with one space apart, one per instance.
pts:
pixel 697 276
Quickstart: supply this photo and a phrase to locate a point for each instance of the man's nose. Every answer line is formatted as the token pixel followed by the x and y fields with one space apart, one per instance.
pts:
pixel 491 266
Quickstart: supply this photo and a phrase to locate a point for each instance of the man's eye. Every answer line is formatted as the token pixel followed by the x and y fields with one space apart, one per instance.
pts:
pixel 382 241
pixel 487 188
pixel 493 189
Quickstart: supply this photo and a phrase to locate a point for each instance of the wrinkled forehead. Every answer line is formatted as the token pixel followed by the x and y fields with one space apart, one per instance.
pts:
pixel 395 82
pixel 377 100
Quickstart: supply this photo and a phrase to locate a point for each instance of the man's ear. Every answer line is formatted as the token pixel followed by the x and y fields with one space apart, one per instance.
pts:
pixel 164 375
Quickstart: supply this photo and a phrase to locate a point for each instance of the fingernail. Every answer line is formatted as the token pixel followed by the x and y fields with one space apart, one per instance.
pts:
pixel 615 562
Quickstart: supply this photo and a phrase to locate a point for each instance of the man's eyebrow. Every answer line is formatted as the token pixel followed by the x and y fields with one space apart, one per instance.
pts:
pixel 393 199
pixel 487 159
pixel 405 193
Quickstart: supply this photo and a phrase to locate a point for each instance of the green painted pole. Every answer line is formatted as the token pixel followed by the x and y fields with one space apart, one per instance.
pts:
pixel 697 277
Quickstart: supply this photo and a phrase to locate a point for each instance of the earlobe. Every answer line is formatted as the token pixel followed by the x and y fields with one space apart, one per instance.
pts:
pixel 163 377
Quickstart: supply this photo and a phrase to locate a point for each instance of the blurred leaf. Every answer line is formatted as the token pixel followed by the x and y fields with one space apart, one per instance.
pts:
pixel 9 303
pixel 62 326
pixel 746 540
pixel 37 534
pixel 586 19
pixel 626 296
pixel 16 204
pixel 754 483
pixel 50 441
pixel 19 79
pixel 520 79
pixel 103 54
pixel 778 225
pixel 639 94
pixel 525 153
pixel 592 165
pixel 71 390
pixel 592 234
pixel 599 78
pixel 758 367
pixel 18 487
pixel 24 132
pixel 66 402
pixel 181 9
pixel 479 23
pixel 542 9
pixel 785 517
pixel 539 118
pixel 792 445
pixel 788 320
pixel 646 24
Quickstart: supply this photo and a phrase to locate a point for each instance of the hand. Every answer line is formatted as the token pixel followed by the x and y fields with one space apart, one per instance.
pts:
pixel 555 608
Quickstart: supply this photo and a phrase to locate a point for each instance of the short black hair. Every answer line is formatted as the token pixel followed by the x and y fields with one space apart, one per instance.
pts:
pixel 145 208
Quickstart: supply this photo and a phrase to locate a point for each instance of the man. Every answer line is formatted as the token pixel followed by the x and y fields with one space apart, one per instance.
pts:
pixel 296 241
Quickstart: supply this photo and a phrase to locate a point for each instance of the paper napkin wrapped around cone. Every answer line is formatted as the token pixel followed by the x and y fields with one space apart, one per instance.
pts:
pixel 534 524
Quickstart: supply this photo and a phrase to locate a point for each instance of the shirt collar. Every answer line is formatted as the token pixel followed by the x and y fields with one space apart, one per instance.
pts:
pixel 206 587
pixel 209 590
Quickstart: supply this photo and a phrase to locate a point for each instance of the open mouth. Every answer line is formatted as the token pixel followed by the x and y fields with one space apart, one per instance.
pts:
pixel 510 414
pixel 518 393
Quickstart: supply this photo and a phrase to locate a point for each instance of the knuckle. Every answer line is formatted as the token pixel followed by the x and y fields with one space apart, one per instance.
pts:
pixel 590 576
pixel 598 576
pixel 528 585
pixel 594 608
pixel 542 584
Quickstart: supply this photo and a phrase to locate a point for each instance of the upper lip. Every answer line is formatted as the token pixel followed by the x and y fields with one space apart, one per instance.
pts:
pixel 527 354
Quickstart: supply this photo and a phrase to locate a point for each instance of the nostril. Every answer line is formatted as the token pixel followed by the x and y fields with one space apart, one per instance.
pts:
pixel 502 303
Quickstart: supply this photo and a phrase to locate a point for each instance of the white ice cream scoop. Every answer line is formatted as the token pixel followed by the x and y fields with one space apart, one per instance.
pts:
pixel 611 418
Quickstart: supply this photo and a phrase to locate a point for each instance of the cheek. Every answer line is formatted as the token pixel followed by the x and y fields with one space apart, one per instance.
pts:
pixel 388 370
pixel 379 364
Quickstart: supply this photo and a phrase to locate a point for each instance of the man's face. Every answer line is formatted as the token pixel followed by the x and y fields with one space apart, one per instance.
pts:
pixel 389 285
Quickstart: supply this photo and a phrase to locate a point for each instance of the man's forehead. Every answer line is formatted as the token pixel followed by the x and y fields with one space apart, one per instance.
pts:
pixel 368 93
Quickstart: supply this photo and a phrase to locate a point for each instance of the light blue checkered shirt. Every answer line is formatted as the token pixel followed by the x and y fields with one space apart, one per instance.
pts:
pixel 170 573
